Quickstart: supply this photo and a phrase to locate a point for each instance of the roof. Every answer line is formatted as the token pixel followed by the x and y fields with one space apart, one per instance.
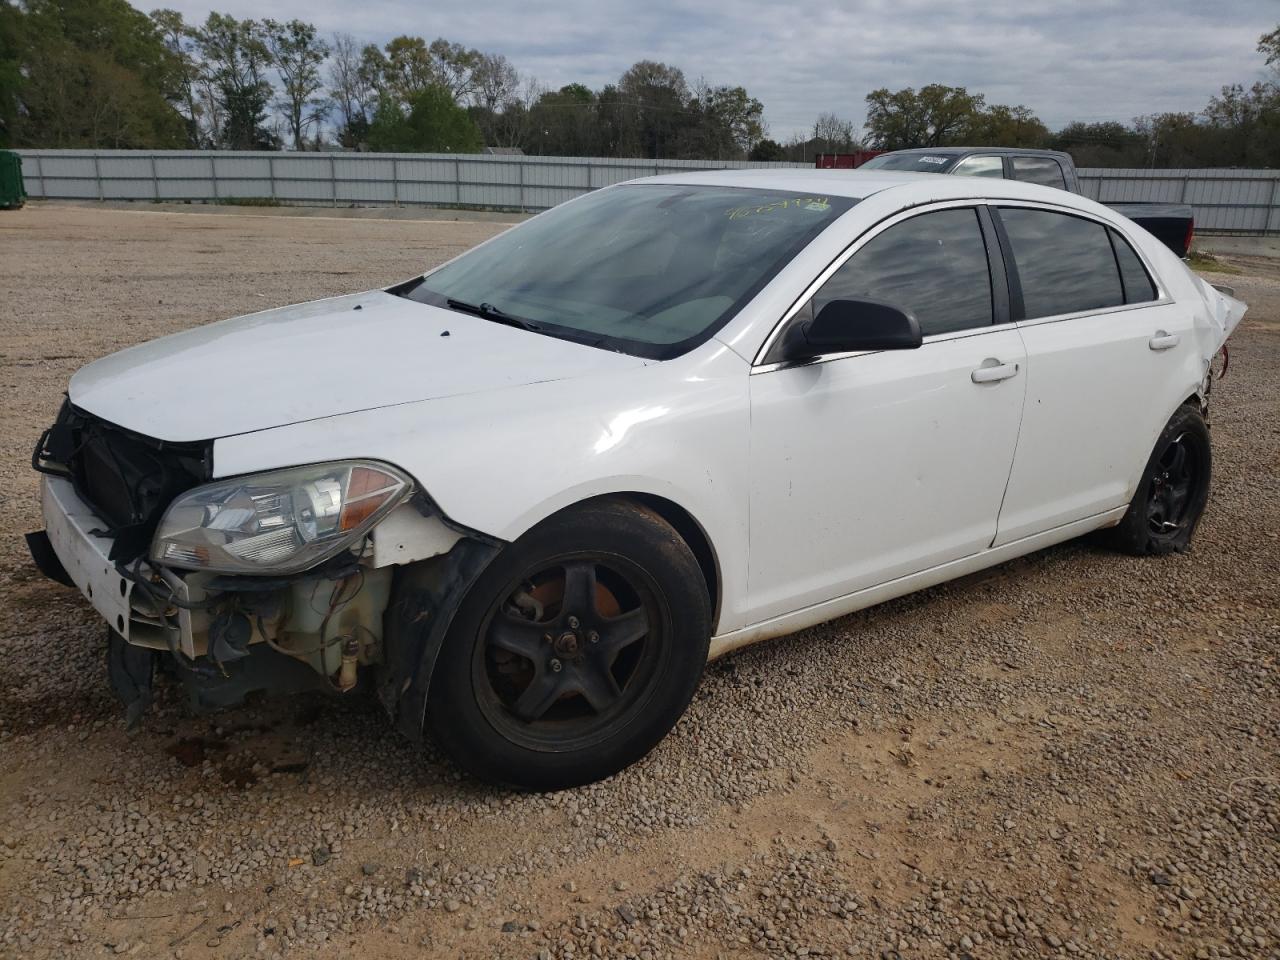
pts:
pixel 963 151
pixel 859 184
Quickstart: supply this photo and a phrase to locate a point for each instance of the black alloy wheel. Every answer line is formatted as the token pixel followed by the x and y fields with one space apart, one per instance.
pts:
pixel 569 651
pixel 577 649
pixel 1172 484
pixel 1173 491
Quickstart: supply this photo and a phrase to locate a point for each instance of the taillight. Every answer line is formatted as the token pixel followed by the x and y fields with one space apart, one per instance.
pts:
pixel 1191 233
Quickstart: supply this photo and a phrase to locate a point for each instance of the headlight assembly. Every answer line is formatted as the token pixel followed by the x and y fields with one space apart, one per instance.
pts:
pixel 280 522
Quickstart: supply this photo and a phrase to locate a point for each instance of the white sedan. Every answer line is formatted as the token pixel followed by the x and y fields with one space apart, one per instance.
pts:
pixel 525 497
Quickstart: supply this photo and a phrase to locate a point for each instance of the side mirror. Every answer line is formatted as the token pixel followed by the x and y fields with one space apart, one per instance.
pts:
pixel 845 326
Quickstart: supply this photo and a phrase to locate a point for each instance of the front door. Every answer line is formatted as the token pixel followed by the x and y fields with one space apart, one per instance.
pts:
pixel 869 467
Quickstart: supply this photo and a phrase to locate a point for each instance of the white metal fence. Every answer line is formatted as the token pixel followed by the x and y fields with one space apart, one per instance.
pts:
pixel 1225 200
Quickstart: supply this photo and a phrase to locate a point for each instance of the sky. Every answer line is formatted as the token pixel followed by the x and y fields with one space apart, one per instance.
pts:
pixel 1067 60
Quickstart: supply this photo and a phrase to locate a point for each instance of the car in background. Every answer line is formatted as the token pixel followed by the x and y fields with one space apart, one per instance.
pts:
pixel 1173 224
pixel 524 497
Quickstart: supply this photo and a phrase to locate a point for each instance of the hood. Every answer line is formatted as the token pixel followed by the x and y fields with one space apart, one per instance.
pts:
pixel 319 360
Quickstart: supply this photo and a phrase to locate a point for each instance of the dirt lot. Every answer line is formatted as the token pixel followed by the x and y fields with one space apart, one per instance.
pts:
pixel 1073 754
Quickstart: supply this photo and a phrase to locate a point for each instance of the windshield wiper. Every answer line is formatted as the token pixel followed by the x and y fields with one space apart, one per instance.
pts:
pixel 490 312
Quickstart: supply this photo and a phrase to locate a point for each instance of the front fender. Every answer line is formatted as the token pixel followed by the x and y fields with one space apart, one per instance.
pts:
pixel 500 461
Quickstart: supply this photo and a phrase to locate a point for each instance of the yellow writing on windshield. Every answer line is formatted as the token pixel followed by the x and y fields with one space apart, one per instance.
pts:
pixel 816 204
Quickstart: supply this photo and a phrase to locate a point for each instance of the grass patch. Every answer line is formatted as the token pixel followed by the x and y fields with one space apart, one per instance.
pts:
pixel 1208 263
pixel 249 202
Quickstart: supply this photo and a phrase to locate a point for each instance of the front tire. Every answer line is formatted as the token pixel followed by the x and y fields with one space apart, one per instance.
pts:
pixel 1173 491
pixel 575 652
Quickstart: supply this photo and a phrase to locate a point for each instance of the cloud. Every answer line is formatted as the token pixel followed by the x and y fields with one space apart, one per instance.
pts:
pixel 1083 60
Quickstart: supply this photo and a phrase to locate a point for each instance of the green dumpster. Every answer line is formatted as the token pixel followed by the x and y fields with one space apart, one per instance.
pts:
pixel 12 193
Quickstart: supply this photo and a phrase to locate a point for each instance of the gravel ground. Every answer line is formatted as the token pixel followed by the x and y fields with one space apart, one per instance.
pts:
pixel 1074 754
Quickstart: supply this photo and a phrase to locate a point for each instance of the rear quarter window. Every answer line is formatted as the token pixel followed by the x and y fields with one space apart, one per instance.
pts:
pixel 1065 264
pixel 1042 170
pixel 1138 285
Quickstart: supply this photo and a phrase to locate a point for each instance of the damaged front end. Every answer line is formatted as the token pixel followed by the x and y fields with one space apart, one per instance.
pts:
pixel 272 583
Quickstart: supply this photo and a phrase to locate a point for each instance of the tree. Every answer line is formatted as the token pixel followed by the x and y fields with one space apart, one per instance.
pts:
pixel 564 123
pixel 1002 126
pixel 177 38
pixel 767 151
pixel 12 44
pixel 406 66
pixel 1108 144
pixel 432 123
pixel 649 109
pixel 297 54
pixel 1269 47
pixel 351 88
pixel 494 82
pixel 723 123
pixel 933 117
pixel 453 67
pixel 85 73
pixel 1249 123
pixel 833 135
pixel 236 59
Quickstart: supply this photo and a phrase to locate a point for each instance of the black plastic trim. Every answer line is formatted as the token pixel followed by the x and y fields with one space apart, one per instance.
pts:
pixel 1001 294
pixel 46 559
pixel 1017 308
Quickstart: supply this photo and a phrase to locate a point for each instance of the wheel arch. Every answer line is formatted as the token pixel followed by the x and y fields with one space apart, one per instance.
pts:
pixel 694 536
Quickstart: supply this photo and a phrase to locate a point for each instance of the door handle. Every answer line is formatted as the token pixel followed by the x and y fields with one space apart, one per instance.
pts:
pixel 993 370
pixel 1163 340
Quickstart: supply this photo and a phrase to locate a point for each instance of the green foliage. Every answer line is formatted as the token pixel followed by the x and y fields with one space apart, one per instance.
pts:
pixel 432 123
pixel 767 150
pixel 97 73
pixel 236 60
pixel 936 116
pixel 1002 126
pixel 77 73
pixel 297 54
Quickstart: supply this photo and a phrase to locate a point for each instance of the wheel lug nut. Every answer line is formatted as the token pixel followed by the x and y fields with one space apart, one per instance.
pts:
pixel 593 637
pixel 573 623
pixel 546 638
pixel 555 666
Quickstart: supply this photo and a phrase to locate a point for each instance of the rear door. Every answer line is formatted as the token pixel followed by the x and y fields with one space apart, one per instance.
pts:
pixel 1104 348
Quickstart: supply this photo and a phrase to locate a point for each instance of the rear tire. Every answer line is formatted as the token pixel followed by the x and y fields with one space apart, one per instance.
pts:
pixel 1173 491
pixel 575 652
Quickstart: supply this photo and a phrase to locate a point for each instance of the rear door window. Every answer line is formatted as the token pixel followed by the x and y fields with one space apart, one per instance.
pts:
pixel 934 265
pixel 979 166
pixel 1042 170
pixel 1138 286
pixel 1065 264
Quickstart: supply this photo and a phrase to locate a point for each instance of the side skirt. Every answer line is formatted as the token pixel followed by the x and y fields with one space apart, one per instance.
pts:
pixel 831 609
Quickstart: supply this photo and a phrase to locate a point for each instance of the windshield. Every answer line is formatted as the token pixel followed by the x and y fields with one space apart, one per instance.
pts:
pixel 647 269
pixel 911 162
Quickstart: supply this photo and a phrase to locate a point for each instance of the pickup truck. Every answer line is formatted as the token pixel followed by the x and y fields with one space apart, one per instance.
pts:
pixel 1173 224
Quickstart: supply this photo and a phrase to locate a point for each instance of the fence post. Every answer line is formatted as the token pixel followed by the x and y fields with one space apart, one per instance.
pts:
pixel 44 188
pixel 395 181
pixel 520 164
pixel 1267 225
pixel 97 175
pixel 213 176
pixel 271 174
pixel 457 181
pixel 333 179
pixel 155 179
pixel 1186 180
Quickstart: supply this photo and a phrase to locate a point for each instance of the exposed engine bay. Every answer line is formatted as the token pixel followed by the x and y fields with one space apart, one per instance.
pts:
pixel 229 635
